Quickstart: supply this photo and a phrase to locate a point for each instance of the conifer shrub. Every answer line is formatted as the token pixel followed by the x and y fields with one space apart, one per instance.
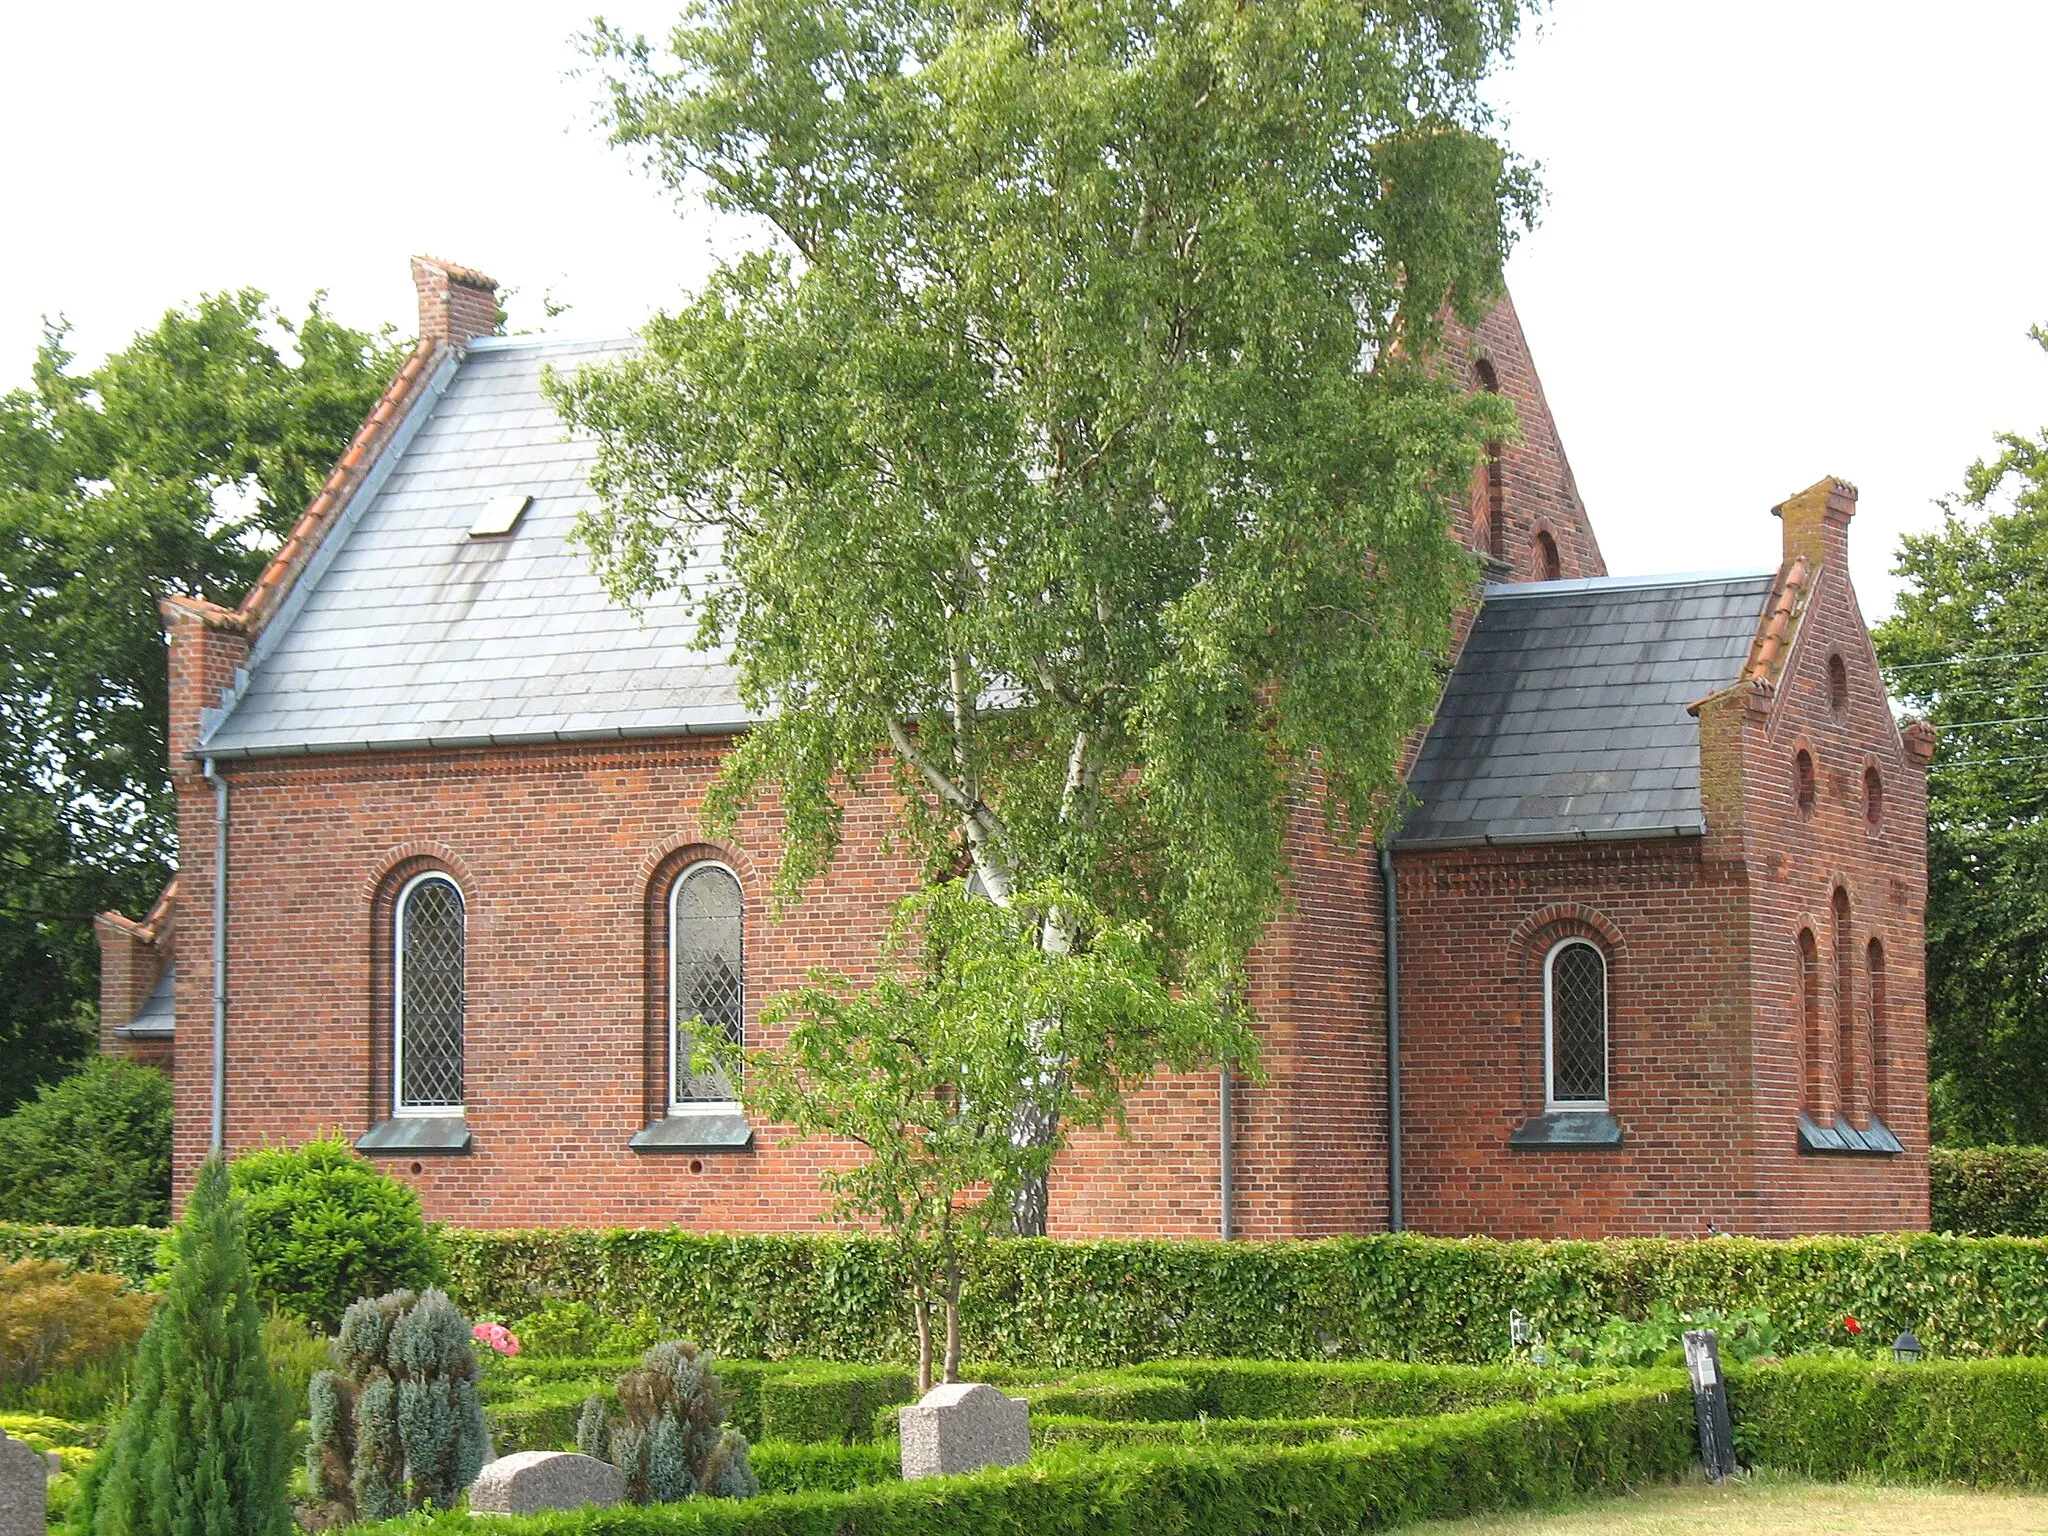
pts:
pixel 54 1318
pixel 93 1149
pixel 669 1438
pixel 202 1445
pixel 396 1426
pixel 328 1228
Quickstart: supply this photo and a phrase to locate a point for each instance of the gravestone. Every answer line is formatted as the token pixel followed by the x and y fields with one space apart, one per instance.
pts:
pixel 1710 1404
pixel 527 1482
pixel 24 1488
pixel 963 1428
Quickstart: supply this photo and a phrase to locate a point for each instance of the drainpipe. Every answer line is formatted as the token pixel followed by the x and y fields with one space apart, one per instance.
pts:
pixel 1395 1221
pixel 1227 1152
pixel 220 956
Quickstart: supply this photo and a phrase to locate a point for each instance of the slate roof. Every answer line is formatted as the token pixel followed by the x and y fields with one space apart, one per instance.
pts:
pixel 407 632
pixel 1565 716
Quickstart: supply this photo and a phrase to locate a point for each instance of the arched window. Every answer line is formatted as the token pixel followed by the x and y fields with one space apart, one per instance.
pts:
pixel 1548 566
pixel 1880 1044
pixel 1873 798
pixel 1575 1026
pixel 1813 1062
pixel 427 958
pixel 1494 536
pixel 1802 781
pixel 707 978
pixel 1838 682
pixel 1848 1080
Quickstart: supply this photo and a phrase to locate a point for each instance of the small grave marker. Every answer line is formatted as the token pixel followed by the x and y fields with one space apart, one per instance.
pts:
pixel 1710 1404
pixel 24 1488
pixel 963 1428
pixel 527 1482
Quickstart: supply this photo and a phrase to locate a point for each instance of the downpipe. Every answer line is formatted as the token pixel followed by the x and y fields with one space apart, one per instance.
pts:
pixel 218 1141
pixel 1396 1221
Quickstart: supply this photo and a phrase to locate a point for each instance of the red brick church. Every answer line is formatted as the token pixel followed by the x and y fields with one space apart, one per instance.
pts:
pixel 1656 916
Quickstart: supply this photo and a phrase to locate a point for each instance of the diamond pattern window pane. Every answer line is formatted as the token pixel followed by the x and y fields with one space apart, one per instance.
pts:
pixel 430 997
pixel 708 977
pixel 1578 1025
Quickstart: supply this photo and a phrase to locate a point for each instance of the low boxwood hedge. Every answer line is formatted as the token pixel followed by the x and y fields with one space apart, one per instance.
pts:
pixel 784 1466
pixel 830 1404
pixel 1968 1421
pixel 1357 1389
pixel 1114 1399
pixel 1099 1435
pixel 1513 1455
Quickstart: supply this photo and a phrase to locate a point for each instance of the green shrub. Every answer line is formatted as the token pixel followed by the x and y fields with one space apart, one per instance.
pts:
pixel 544 1418
pixel 1514 1455
pixel 786 1467
pixel 575 1330
pixel 396 1426
pixel 831 1404
pixel 669 1435
pixel 202 1444
pixel 1098 1435
pixel 328 1228
pixel 506 1379
pixel 1969 1421
pixel 56 1319
pixel 1363 1389
pixel 1989 1191
pixel 93 1149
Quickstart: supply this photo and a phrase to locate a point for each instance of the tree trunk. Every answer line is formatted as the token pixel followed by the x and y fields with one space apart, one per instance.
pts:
pixel 952 1365
pixel 921 1310
pixel 1032 1206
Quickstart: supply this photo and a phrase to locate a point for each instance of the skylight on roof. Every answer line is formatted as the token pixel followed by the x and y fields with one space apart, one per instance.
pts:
pixel 500 515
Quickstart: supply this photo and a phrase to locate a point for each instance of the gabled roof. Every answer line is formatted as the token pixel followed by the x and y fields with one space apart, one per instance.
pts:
pixel 405 631
pixel 1565 716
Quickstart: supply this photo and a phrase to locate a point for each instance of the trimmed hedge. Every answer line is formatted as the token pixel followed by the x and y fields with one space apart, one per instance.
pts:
pixel 1359 1389
pixel 1079 1305
pixel 1599 1441
pixel 1974 1421
pixel 1100 1436
pixel 543 1419
pixel 1154 1399
pixel 1990 1191
pixel 785 1467
pixel 829 1404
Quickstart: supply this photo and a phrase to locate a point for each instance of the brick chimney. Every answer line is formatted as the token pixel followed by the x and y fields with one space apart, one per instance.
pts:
pixel 456 303
pixel 1817 524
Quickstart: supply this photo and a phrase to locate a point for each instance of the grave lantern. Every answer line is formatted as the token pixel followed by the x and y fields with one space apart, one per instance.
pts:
pixel 1907 1348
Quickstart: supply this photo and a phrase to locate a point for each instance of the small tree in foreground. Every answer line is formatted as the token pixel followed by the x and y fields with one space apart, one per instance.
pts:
pixel 927 1069
pixel 672 1442
pixel 398 1426
pixel 201 1447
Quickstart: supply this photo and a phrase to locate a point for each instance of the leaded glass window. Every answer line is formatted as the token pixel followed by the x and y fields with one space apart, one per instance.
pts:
pixel 707 979
pixel 1576 1013
pixel 428 1031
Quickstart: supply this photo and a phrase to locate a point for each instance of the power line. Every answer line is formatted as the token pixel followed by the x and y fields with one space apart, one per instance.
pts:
pixel 1965 725
pixel 1979 762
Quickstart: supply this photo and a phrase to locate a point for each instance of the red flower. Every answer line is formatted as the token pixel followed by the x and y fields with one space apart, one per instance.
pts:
pixel 1852 1325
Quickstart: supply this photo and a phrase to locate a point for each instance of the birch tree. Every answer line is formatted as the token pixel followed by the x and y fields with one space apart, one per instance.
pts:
pixel 1071 443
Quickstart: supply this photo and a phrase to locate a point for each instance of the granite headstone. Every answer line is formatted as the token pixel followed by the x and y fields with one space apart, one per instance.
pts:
pixel 962 1428
pixel 24 1488
pixel 527 1482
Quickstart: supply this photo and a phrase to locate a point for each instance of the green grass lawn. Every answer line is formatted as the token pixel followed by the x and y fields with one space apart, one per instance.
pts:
pixel 1769 1505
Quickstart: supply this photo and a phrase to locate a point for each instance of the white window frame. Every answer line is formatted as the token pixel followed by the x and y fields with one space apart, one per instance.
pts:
pixel 1551 1103
pixel 681 1106
pixel 399 1108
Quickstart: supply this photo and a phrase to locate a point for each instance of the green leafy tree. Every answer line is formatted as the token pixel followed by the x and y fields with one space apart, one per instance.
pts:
pixel 926 1070
pixel 327 1228
pixel 1968 648
pixel 93 1150
pixel 1073 440
pixel 175 466
pixel 201 1447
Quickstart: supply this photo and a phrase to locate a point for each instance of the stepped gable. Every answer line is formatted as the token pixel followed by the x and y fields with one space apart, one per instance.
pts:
pixel 1567 718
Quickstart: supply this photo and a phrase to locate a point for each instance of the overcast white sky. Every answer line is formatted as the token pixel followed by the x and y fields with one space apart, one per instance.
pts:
pixel 1784 238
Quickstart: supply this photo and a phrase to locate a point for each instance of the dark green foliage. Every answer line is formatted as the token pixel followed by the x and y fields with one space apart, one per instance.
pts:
pixel 174 466
pixel 201 1448
pixel 1990 1191
pixel 1087 1305
pixel 670 1439
pixel 397 1425
pixel 1487 1459
pixel 1978 1421
pixel 1967 647
pixel 328 1228
pixel 831 1404
pixel 93 1150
